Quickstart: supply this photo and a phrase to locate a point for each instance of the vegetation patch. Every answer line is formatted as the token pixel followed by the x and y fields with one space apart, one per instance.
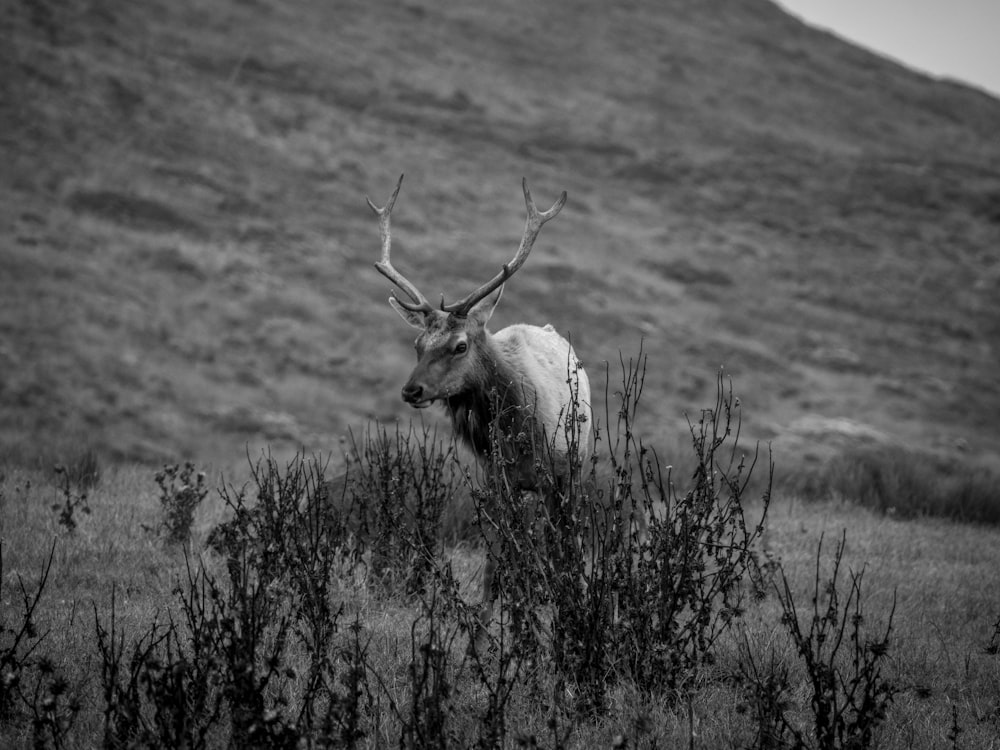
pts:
pixel 908 483
pixel 644 603
pixel 274 636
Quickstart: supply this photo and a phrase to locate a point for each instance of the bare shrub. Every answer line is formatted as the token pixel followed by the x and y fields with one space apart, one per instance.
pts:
pixel 294 536
pixel 74 498
pixel 255 656
pixel 32 688
pixel 182 490
pixel 698 566
pixel 400 484
pixel 641 579
pixel 843 665
pixel 158 691
pixel 768 699
pixel 21 637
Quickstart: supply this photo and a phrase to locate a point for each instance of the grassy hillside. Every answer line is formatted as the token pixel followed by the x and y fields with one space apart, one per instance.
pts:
pixel 187 253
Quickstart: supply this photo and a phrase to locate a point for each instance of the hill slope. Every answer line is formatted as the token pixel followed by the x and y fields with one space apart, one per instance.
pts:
pixel 187 254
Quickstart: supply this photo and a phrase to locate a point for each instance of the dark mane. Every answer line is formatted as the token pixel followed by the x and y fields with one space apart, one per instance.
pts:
pixel 495 398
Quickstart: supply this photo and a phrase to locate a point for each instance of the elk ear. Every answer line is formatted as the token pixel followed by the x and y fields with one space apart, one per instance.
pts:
pixel 483 310
pixel 416 319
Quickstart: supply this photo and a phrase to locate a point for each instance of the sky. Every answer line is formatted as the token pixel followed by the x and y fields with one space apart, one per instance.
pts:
pixel 957 39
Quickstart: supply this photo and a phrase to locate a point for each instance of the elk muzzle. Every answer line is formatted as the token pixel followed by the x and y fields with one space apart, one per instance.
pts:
pixel 413 394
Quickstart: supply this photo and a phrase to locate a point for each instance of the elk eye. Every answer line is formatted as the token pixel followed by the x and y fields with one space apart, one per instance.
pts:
pixel 461 347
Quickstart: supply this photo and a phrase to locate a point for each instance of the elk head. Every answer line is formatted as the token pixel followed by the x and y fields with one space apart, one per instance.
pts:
pixel 452 347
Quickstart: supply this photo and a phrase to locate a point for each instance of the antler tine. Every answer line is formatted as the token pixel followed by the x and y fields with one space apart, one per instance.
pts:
pixel 384 266
pixel 532 226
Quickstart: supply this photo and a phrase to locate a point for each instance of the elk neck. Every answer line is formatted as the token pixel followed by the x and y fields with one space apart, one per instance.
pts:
pixel 493 396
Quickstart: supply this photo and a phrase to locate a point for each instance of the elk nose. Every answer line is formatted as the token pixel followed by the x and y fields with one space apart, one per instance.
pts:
pixel 412 393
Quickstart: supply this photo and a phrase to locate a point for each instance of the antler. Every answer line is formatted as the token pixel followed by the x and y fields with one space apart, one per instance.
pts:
pixel 384 266
pixel 532 226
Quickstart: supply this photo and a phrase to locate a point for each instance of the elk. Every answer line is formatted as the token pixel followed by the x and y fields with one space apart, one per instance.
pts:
pixel 523 380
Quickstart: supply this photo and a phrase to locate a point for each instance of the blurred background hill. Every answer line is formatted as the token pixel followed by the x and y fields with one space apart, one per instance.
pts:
pixel 187 254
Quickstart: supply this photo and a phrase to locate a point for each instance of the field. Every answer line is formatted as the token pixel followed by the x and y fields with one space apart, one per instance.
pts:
pixel 932 580
pixel 186 251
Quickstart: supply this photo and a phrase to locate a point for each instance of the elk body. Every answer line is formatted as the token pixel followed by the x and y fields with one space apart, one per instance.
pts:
pixel 523 383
